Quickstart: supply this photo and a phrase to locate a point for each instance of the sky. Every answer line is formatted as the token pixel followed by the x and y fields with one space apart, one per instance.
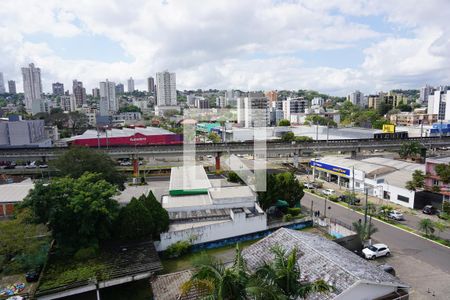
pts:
pixel 333 46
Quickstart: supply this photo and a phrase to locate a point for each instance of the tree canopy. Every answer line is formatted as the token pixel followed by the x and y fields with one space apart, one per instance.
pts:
pixel 284 122
pixel 129 108
pixel 78 160
pixel 80 212
pixel 410 149
pixel 214 137
pixel 443 171
pixel 417 181
pixel 282 186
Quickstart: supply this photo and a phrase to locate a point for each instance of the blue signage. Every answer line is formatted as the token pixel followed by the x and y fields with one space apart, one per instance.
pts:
pixel 331 168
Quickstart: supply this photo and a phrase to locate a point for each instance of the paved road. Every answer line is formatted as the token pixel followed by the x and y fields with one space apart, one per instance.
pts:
pixel 419 262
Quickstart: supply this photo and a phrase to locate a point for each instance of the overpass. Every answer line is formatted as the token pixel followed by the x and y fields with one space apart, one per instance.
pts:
pixel 272 148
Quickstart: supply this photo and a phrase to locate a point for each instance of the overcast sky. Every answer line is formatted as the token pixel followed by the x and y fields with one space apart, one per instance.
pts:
pixel 334 46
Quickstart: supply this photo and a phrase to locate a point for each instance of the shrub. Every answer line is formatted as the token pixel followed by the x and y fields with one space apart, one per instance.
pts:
pixel 446 207
pixel 178 249
pixel 233 177
pixel 287 218
pixel 85 253
pixel 333 198
pixel 294 211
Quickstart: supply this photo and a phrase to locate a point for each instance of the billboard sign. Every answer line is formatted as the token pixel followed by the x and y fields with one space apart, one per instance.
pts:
pixel 330 168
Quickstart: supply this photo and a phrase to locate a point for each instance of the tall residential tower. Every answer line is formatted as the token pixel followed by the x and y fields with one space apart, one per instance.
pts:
pixel 32 88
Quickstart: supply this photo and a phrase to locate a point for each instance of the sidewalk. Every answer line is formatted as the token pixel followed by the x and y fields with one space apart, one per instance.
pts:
pixel 412 217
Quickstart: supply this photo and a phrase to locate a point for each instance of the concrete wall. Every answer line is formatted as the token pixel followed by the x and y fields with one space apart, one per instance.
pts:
pixel 396 191
pixel 239 225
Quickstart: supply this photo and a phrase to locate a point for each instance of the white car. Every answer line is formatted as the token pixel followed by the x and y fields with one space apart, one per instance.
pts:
pixel 309 185
pixel 376 250
pixel 396 215
pixel 328 192
pixel 126 163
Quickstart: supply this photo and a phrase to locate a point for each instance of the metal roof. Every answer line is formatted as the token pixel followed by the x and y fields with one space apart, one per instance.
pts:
pixel 15 192
pixel 188 180
pixel 125 132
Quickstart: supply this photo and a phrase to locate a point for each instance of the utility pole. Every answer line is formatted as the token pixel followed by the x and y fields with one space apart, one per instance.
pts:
pixel 325 209
pixel 353 179
pixel 366 208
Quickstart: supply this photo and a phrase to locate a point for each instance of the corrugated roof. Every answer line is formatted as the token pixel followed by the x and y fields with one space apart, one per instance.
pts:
pixel 320 258
pixel 15 192
pixel 366 167
pixel 394 163
pixel 168 287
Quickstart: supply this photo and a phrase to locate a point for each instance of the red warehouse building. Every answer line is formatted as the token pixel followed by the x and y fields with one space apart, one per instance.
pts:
pixel 126 137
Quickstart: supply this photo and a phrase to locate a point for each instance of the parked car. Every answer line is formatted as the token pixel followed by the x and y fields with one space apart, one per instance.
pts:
pixel 429 210
pixel 388 269
pixel 10 166
pixel 328 192
pixel 396 215
pixel 43 166
pixel 31 165
pixel 32 276
pixel 309 185
pixel 126 163
pixel 376 250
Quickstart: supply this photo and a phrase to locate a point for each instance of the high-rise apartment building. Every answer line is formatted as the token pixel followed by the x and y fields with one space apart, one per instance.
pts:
pixel 12 87
pixel 425 92
pixel 96 92
pixel 58 89
pixel 317 101
pixel 130 85
pixel 108 101
pixel 120 89
pixel 294 106
pixel 437 104
pixel 272 96
pixel 253 110
pixel 2 84
pixel 80 93
pixel 32 88
pixel 151 85
pixel 356 98
pixel 166 90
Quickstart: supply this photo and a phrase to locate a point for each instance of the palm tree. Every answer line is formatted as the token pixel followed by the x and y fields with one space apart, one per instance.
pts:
pixel 213 279
pixel 364 230
pixel 427 226
pixel 385 210
pixel 283 273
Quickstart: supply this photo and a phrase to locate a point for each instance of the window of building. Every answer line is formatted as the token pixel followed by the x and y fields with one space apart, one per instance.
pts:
pixel 357 184
pixel 402 198
pixel 435 182
pixel 386 195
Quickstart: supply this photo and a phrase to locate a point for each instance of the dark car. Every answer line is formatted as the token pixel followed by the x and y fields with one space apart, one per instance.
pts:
pixel 429 210
pixel 32 276
pixel 349 199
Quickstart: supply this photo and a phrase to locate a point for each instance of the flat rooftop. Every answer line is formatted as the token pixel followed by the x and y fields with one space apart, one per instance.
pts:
pixel 15 192
pixel 188 180
pixel 183 201
pixel 224 193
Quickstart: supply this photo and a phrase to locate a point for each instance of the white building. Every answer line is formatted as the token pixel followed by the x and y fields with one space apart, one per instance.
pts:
pixel 2 84
pixel 108 102
pixel 166 91
pixel 253 111
pixel 294 106
pixel 383 177
pixel 130 85
pixel 356 98
pixel 203 213
pixel 317 101
pixel 32 88
pixel 437 104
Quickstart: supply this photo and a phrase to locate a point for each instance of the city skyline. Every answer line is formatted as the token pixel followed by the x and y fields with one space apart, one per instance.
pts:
pixel 335 47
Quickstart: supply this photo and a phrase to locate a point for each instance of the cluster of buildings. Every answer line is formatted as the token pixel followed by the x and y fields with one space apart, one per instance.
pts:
pixel 11 86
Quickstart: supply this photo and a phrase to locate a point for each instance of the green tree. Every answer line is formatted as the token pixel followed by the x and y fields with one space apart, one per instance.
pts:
pixel 288 137
pixel 80 212
pixel 427 226
pixel 78 160
pixel 135 221
pixel 214 137
pixel 78 122
pixel 410 149
pixel 364 230
pixel 385 210
pixel 443 171
pixel 129 108
pixel 284 122
pixel 159 215
pixel 417 182
pixel 284 273
pixel 303 139
pixel 282 186
pixel 233 177
pixel 440 226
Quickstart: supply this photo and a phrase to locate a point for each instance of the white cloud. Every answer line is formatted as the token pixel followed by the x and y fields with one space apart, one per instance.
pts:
pixel 235 43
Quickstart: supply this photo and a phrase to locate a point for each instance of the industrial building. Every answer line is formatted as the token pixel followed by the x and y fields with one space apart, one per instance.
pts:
pixel 15 132
pixel 202 213
pixel 126 137
pixel 383 177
